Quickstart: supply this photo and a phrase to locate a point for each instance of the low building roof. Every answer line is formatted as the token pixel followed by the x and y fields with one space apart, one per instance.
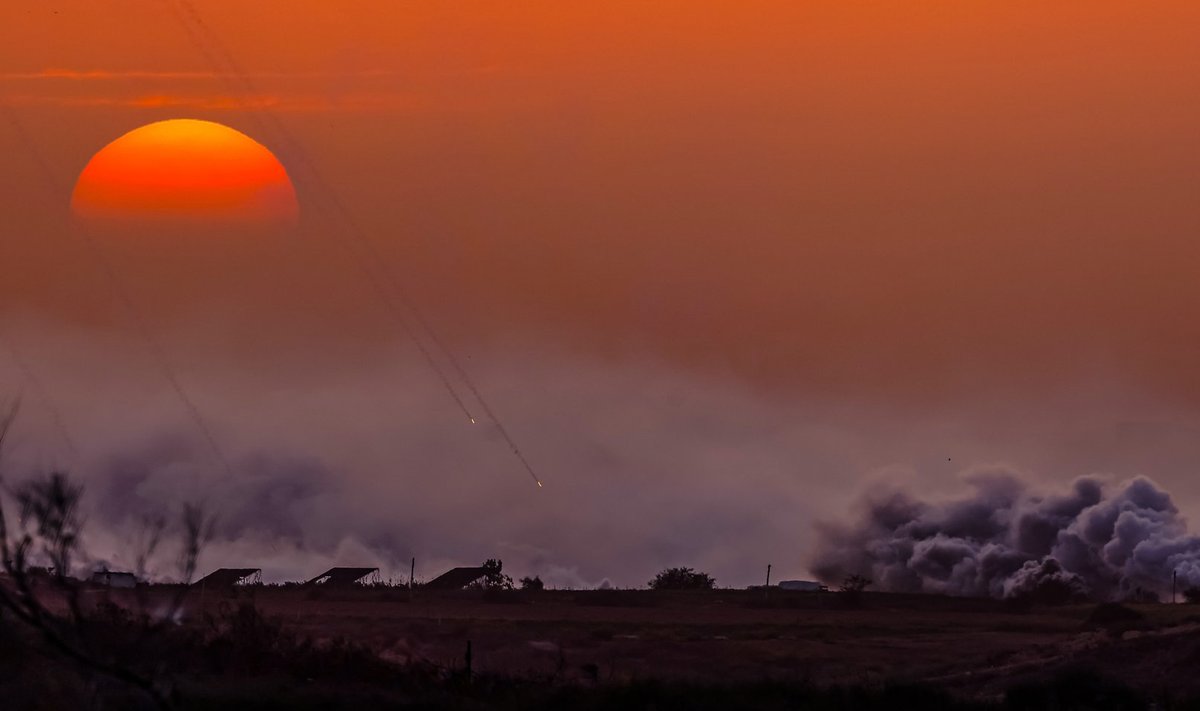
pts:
pixel 227 577
pixel 341 577
pixel 456 578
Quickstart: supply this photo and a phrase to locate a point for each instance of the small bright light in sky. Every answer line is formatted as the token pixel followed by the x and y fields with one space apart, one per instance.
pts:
pixel 809 241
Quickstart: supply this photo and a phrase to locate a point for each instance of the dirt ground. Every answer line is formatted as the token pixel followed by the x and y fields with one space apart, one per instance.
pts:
pixel 974 647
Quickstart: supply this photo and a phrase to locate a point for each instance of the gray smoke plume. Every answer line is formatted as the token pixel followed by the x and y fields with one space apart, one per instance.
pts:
pixel 1004 539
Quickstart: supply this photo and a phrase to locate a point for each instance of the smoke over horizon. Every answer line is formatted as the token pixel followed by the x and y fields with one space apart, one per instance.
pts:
pixel 344 448
pixel 706 303
pixel 362 459
pixel 1006 537
pixel 367 460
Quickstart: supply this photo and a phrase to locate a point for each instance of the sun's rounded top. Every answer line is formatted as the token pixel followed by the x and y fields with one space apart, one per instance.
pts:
pixel 185 170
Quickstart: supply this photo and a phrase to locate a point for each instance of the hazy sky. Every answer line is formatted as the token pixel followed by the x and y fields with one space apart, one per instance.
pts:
pixel 715 263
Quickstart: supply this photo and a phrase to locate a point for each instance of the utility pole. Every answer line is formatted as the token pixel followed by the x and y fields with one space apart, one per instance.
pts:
pixel 767 587
pixel 1174 578
pixel 412 572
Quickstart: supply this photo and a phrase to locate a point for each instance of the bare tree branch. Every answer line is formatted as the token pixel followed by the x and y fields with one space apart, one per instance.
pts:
pixel 49 527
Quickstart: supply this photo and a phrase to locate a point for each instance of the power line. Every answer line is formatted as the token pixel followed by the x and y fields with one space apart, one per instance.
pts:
pixel 42 394
pixel 211 46
pixel 122 296
pixel 157 351
pixel 227 69
pixel 23 365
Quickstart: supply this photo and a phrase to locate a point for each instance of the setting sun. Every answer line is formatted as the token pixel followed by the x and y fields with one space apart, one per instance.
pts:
pixel 600 355
pixel 185 170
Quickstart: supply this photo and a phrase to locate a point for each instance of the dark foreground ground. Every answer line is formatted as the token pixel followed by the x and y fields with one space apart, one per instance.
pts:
pixel 295 648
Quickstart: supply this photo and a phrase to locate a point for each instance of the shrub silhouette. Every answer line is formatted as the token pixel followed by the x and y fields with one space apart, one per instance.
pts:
pixel 493 577
pixel 682 579
pixel 534 583
pixel 107 641
pixel 852 589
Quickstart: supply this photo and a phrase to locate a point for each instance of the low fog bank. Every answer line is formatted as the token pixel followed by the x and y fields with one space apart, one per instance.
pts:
pixel 645 465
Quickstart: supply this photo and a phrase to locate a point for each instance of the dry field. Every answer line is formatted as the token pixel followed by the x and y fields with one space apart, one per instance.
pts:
pixel 976 648
pixel 321 648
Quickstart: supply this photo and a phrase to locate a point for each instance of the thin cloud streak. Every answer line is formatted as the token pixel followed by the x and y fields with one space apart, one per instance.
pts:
pixel 360 102
pixel 106 75
pixel 111 75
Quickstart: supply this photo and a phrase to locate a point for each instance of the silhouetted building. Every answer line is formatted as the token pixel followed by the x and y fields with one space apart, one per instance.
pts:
pixel 801 585
pixel 113 579
pixel 341 577
pixel 230 577
pixel 456 578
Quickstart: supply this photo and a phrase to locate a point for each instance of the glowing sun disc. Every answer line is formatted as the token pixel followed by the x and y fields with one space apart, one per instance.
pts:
pixel 185 170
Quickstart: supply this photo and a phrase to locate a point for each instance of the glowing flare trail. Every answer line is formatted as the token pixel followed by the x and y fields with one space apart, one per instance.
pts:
pixel 222 61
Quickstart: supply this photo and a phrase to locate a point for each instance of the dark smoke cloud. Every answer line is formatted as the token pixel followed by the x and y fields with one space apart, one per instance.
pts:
pixel 357 457
pixel 367 461
pixel 1004 538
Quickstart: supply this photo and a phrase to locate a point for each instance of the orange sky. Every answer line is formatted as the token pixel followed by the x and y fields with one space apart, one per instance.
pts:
pixel 939 204
pixel 978 186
